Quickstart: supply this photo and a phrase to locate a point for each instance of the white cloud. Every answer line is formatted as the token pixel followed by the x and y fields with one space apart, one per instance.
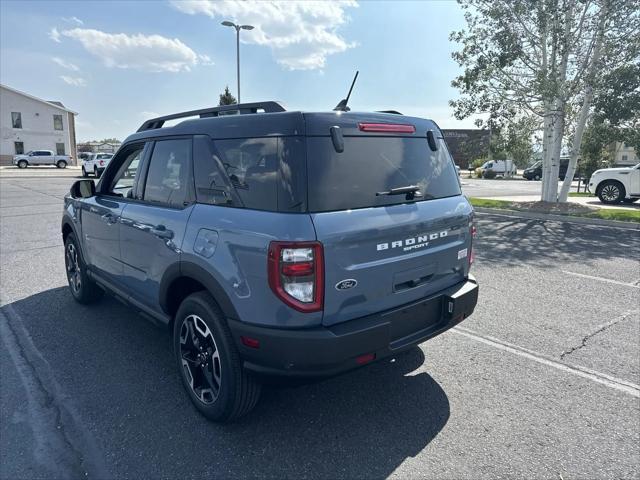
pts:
pixel 54 35
pixel 75 20
pixel 301 34
pixel 75 81
pixel 64 64
pixel 149 53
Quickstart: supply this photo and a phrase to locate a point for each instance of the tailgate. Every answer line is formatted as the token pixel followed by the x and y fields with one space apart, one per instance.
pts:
pixel 382 257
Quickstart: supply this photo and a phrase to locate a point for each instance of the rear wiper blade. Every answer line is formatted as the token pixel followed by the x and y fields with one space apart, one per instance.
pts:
pixel 410 191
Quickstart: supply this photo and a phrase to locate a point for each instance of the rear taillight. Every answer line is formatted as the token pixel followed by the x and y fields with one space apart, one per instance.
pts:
pixel 101 162
pixel 296 274
pixel 473 234
pixel 386 127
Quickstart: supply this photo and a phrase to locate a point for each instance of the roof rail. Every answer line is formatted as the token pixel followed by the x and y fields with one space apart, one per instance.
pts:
pixel 242 109
pixel 395 112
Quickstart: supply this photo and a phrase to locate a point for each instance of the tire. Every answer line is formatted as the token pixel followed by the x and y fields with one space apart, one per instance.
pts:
pixel 61 164
pixel 199 328
pixel 630 200
pixel 610 192
pixel 95 172
pixel 23 164
pixel 537 177
pixel 83 289
pixel 84 172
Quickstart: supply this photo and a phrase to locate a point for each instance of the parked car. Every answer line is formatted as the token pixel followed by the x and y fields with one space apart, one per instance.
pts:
pixel 534 172
pixel 500 167
pixel 41 157
pixel 95 163
pixel 615 185
pixel 287 244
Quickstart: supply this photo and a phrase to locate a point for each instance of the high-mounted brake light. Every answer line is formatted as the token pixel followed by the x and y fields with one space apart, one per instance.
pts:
pixel 386 127
pixel 296 274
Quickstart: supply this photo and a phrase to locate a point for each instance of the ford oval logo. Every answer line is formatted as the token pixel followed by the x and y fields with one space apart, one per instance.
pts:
pixel 346 284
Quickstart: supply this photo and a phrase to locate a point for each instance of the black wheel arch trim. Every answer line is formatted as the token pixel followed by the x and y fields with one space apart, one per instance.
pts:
pixel 196 272
pixel 67 222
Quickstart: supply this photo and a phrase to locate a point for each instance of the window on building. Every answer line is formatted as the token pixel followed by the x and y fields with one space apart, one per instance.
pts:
pixel 625 158
pixel 60 149
pixel 19 147
pixel 57 122
pixel 16 119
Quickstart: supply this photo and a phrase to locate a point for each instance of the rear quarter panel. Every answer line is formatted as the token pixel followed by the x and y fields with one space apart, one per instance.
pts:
pixel 239 261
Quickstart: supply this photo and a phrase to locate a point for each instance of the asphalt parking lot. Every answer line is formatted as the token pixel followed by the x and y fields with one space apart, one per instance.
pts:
pixel 542 381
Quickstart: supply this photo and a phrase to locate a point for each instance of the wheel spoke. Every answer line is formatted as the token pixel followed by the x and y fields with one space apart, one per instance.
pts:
pixel 200 359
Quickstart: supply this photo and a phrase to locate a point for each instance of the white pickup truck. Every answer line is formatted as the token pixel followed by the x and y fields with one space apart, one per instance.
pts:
pixel 95 163
pixel 615 185
pixel 41 157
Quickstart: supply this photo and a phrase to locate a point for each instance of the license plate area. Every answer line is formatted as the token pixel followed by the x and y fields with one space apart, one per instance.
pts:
pixel 413 318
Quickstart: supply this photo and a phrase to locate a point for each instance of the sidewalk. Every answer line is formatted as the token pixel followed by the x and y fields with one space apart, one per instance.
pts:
pixel 11 171
pixel 586 201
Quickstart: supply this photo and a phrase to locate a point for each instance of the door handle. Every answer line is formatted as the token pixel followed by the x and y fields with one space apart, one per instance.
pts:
pixel 161 231
pixel 109 218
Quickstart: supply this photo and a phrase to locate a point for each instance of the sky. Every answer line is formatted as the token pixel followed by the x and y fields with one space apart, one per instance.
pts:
pixel 118 63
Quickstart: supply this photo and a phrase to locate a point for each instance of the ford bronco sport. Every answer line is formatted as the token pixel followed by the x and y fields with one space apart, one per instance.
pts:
pixel 276 243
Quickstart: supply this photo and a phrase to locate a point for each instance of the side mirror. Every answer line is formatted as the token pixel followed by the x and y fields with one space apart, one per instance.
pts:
pixel 83 189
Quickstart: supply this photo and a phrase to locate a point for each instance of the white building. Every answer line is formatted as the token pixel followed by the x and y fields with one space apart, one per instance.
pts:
pixel 30 123
pixel 623 155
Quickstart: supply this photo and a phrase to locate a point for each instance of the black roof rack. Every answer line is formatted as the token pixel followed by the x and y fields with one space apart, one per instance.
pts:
pixel 242 109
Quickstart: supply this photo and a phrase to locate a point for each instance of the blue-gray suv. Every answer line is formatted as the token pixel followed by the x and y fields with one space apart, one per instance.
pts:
pixel 276 243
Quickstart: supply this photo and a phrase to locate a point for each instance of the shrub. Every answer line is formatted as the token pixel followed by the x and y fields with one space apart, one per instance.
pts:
pixel 477 162
pixel 489 174
pixel 478 172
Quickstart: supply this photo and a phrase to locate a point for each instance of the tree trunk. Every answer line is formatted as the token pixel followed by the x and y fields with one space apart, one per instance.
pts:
pixel 586 106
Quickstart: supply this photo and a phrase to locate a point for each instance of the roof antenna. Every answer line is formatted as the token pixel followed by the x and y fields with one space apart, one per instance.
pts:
pixel 342 106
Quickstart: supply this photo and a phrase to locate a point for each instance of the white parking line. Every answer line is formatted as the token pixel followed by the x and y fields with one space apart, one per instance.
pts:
pixel 598 377
pixel 602 279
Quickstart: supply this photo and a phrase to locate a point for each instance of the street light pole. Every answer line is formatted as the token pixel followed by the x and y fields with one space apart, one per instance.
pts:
pixel 237 27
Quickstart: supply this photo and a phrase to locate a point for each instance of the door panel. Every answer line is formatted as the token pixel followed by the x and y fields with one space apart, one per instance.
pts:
pixel 100 230
pixel 151 240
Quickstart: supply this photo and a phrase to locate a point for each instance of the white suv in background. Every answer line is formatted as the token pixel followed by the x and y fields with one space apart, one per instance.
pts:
pixel 95 163
pixel 615 185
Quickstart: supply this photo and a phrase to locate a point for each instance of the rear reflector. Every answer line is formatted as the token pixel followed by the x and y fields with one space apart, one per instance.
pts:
pixel 250 342
pixel 386 127
pixel 366 358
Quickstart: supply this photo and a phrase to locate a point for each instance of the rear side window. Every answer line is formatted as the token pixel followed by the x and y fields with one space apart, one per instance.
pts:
pixel 351 179
pixel 245 167
pixel 168 176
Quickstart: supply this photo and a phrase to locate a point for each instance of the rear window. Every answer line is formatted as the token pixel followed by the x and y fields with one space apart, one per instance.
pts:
pixel 351 179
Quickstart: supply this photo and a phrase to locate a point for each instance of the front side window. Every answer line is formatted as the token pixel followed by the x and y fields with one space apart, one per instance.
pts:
pixel 123 182
pixel 60 149
pixel 57 122
pixel 16 119
pixel 19 147
pixel 168 176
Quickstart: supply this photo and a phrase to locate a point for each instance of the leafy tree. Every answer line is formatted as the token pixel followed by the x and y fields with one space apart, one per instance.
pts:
pixel 541 61
pixel 226 98
pixel 616 117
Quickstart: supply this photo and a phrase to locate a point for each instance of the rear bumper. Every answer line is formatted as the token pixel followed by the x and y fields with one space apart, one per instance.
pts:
pixel 327 351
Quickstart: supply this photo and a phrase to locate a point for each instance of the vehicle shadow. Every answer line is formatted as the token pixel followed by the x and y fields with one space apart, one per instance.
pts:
pixel 119 371
pixel 511 241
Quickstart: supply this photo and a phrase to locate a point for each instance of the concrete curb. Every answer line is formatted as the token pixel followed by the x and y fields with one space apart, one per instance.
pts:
pixel 558 218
